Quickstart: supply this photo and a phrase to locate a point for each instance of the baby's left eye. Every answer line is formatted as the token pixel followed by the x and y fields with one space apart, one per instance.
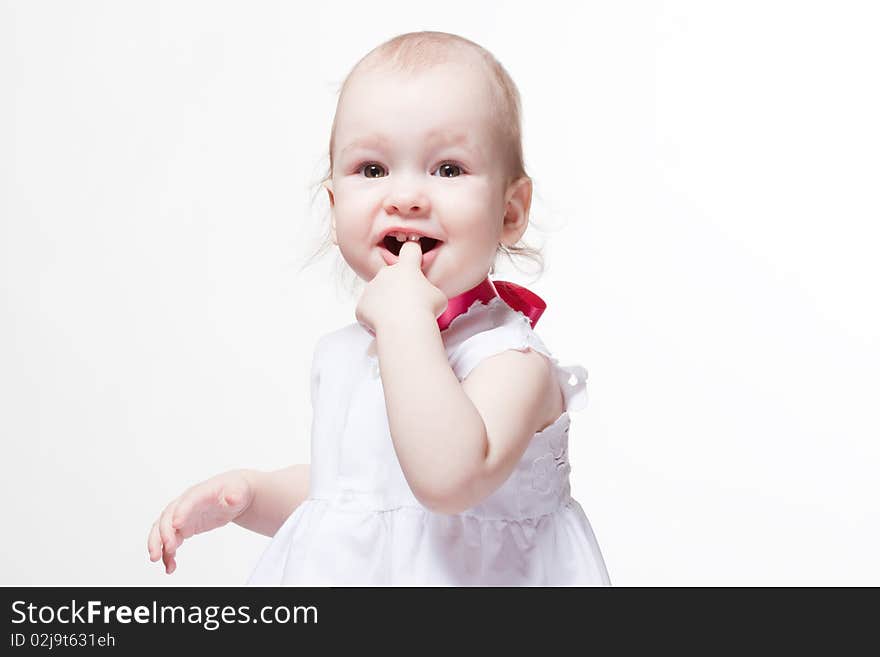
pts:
pixel 447 168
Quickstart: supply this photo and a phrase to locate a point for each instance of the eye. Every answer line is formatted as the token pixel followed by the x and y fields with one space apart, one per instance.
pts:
pixel 371 169
pixel 447 170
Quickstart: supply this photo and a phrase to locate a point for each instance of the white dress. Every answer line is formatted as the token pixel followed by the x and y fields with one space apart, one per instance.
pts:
pixel 361 525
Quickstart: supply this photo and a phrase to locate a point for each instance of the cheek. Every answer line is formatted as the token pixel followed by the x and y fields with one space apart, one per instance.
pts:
pixel 474 216
pixel 350 220
pixel 353 212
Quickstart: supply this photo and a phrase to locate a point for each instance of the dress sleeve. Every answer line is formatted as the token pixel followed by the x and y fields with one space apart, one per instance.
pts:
pixel 518 334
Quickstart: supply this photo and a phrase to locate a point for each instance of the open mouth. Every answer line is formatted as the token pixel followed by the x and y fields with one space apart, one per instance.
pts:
pixel 393 244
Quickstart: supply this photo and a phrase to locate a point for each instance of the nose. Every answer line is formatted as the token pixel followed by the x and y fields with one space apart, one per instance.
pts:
pixel 407 199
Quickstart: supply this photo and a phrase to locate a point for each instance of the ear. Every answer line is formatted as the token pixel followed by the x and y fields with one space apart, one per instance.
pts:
pixel 328 185
pixel 518 201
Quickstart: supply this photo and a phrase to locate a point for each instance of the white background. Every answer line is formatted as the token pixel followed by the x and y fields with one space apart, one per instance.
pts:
pixel 709 176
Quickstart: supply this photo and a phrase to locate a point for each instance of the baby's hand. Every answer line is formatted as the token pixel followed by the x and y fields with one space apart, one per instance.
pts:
pixel 398 290
pixel 205 506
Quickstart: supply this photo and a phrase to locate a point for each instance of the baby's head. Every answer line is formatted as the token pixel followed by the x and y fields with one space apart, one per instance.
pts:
pixel 427 139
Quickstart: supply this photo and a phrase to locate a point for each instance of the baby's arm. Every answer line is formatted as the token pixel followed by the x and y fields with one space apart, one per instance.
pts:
pixel 259 501
pixel 457 442
pixel 275 496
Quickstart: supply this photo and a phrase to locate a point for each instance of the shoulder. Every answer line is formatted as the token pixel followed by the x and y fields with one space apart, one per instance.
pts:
pixel 518 384
pixel 517 396
pixel 493 341
pixel 508 373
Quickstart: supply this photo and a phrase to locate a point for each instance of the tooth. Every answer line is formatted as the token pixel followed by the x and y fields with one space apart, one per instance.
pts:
pixel 403 237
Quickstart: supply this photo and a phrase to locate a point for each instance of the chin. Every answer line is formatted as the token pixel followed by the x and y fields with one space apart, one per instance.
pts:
pixel 452 290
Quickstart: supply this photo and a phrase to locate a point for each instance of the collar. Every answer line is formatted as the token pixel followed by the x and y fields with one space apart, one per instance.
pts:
pixel 515 296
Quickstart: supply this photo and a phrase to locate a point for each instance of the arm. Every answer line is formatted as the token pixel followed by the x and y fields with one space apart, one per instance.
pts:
pixel 438 434
pixel 275 495
pixel 457 442
pixel 259 501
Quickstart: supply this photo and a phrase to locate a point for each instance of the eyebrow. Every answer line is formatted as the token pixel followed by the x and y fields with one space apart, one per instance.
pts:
pixel 433 137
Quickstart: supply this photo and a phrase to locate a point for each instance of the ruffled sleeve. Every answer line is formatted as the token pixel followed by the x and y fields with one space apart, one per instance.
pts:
pixel 515 332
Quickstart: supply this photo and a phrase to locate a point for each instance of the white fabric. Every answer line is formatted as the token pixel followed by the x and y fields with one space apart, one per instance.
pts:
pixel 362 526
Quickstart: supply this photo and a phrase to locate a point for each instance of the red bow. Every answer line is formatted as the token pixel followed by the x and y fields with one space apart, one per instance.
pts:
pixel 515 296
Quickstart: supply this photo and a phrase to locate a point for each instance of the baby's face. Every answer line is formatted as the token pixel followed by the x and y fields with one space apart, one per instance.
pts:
pixel 418 153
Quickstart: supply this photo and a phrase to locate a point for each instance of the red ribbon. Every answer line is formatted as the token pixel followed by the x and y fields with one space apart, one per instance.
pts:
pixel 515 296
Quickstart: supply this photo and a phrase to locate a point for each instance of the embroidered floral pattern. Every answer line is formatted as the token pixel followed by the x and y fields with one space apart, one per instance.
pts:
pixel 559 444
pixel 543 469
pixel 550 470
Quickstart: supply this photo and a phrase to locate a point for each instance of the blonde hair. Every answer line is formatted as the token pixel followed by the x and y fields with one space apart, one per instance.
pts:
pixel 419 51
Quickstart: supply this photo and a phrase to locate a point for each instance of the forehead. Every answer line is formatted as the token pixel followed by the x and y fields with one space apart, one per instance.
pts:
pixel 446 103
pixel 435 137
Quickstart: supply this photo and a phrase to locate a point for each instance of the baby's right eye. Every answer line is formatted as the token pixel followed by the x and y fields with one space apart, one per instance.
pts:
pixel 370 169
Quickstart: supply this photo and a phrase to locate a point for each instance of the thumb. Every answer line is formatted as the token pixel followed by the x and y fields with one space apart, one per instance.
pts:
pixel 410 255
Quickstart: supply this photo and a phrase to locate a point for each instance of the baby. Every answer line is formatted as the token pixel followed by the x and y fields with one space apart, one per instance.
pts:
pixel 440 420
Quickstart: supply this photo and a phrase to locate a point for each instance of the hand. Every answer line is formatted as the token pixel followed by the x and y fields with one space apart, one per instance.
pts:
pixel 398 291
pixel 205 506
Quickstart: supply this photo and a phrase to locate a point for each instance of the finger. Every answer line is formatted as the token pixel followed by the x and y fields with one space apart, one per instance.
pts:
pixel 166 531
pixel 167 559
pixel 441 302
pixel 186 530
pixel 410 254
pixel 189 518
pixel 181 518
pixel 154 543
pixel 170 564
pixel 176 541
